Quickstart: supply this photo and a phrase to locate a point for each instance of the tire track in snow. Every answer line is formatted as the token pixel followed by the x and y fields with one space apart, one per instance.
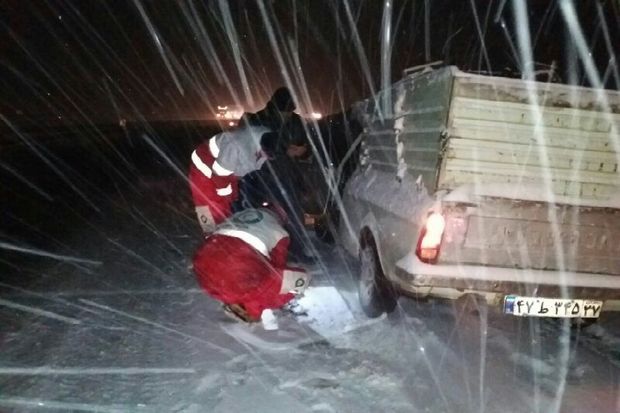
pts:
pixel 39 312
pixel 157 325
pixel 47 254
pixel 123 371
pixel 26 403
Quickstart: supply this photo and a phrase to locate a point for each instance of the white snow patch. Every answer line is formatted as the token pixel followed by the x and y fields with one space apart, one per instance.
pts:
pixel 400 149
pixel 256 396
pixel 537 365
pixel 90 371
pixel 208 382
pixel 398 110
pixel 402 198
pixel 323 407
pixel 269 320
pixel 306 381
pixel 521 89
pixel 155 324
pixel 327 312
pixel 243 334
pixel 401 169
pixel 289 384
pixel 264 340
pixel 326 315
pixel 330 315
pixel 39 404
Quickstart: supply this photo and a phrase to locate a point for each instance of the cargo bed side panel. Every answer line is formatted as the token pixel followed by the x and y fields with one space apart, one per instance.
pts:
pixel 407 137
pixel 567 142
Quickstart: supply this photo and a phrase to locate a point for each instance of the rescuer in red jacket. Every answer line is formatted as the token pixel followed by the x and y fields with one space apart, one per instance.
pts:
pixel 243 264
pixel 217 164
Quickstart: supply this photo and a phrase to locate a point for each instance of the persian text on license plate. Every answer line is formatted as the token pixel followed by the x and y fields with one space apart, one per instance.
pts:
pixel 552 307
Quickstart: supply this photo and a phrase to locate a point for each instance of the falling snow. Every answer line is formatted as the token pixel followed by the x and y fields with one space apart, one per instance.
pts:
pixel 101 105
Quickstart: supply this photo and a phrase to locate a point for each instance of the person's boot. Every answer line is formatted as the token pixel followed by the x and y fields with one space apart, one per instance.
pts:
pixel 238 313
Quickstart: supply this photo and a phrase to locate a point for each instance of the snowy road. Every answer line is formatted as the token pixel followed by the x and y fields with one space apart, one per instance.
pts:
pixel 102 104
pixel 114 322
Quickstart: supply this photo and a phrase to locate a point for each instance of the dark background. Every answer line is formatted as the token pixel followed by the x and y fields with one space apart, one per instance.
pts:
pixel 98 61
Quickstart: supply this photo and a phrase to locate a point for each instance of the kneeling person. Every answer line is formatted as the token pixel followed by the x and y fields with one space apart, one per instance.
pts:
pixel 243 264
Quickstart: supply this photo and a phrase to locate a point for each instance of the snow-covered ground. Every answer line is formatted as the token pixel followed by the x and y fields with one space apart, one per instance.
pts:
pixel 125 328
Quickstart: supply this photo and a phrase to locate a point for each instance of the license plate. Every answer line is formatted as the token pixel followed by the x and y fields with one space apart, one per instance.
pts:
pixel 551 307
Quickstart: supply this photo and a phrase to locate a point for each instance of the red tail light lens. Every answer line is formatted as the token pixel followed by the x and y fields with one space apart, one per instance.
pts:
pixel 430 238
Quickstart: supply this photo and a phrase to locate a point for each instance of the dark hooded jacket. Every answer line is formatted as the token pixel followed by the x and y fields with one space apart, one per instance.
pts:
pixel 290 130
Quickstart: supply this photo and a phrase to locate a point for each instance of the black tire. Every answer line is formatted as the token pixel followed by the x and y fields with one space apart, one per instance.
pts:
pixel 375 293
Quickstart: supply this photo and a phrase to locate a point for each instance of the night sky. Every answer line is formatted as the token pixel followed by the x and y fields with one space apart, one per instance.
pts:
pixel 95 61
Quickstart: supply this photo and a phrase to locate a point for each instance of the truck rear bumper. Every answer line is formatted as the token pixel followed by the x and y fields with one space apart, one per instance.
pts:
pixel 494 283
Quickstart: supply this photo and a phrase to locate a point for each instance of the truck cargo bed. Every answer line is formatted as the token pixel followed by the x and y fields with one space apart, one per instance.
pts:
pixel 516 132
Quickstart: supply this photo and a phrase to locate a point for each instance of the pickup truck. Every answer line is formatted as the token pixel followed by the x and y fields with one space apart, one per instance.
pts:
pixel 503 189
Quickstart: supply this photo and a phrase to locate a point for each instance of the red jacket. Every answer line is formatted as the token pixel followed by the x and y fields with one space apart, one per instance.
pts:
pixel 244 262
pixel 217 165
pixel 216 190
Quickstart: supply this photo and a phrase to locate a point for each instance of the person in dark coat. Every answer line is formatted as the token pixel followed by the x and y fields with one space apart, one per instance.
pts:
pixel 280 179
pixel 279 116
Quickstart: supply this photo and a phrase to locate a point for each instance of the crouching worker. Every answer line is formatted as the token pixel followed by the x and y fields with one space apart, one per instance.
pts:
pixel 218 164
pixel 243 264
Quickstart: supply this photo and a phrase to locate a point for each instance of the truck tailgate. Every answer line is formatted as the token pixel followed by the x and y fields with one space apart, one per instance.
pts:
pixel 525 234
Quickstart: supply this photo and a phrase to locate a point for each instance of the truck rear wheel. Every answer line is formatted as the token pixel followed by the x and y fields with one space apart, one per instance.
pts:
pixel 375 293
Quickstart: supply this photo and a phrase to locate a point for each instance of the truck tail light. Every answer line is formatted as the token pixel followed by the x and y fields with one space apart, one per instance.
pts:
pixel 429 242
